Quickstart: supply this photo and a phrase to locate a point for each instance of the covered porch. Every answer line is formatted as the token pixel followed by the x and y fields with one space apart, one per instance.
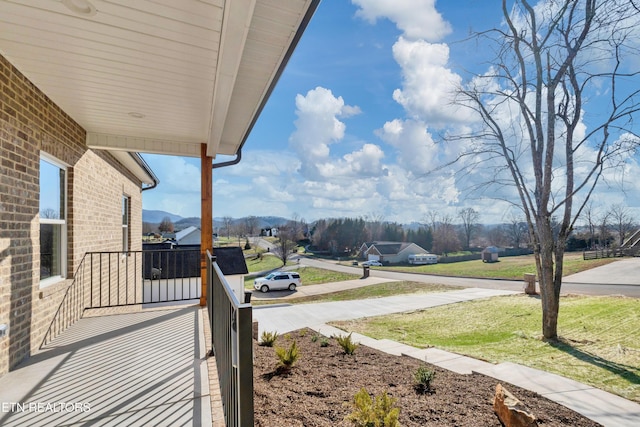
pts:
pixel 122 367
pixel 186 78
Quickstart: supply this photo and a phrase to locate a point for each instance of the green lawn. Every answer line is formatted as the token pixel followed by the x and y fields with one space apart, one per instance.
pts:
pixel 268 262
pixel 600 336
pixel 312 276
pixel 373 291
pixel 506 267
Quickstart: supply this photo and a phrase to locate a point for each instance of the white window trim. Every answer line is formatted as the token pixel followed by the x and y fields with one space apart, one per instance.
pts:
pixel 126 227
pixel 63 238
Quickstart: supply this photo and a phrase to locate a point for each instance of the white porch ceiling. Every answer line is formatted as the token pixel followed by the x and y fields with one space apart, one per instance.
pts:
pixel 155 76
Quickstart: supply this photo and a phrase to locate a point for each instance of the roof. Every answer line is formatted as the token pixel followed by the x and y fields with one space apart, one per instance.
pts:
pixel 231 261
pixel 391 248
pixel 184 233
pixel 158 77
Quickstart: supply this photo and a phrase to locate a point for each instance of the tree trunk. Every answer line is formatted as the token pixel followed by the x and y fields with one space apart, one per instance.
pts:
pixel 545 263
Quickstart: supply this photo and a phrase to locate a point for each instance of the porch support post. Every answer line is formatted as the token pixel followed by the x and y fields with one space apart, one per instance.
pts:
pixel 206 215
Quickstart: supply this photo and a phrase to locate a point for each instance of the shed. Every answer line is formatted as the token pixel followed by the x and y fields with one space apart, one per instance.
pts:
pixel 490 254
pixel 234 267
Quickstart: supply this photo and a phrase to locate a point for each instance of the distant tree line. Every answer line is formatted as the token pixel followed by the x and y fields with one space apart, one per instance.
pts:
pixel 437 233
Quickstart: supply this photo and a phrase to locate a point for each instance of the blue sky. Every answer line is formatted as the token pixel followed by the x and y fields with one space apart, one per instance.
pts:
pixel 352 126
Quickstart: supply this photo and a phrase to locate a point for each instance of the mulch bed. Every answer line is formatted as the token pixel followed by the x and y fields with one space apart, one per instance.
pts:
pixel 319 389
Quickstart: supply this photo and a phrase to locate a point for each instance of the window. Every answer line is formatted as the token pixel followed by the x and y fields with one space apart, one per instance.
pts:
pixel 53 219
pixel 126 235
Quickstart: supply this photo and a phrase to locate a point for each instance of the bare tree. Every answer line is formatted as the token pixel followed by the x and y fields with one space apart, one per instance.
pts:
pixel 469 218
pixel 622 221
pixel 227 223
pixel 603 229
pixel 515 230
pixel 589 216
pixel 166 225
pixel 286 244
pixel 445 238
pixel 251 225
pixel 553 60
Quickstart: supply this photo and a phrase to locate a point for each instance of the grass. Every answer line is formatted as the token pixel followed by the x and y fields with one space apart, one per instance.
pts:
pixel 506 268
pixel 312 276
pixel 599 336
pixel 268 262
pixel 366 292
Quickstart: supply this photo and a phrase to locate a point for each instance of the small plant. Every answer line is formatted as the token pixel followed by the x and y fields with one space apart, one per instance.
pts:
pixel 267 339
pixel 423 378
pixel 348 346
pixel 324 342
pixel 287 337
pixel 374 412
pixel 288 356
pixel 314 337
pixel 303 333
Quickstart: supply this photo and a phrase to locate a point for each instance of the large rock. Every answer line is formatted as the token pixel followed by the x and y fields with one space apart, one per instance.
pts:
pixel 511 411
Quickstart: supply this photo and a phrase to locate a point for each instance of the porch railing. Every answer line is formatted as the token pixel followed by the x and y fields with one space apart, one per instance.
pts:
pixel 231 336
pixel 114 279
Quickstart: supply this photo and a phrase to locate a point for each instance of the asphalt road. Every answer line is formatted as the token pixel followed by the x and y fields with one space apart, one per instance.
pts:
pixel 618 278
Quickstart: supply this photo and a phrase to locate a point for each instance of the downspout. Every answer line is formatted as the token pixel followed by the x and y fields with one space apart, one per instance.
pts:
pixel 230 162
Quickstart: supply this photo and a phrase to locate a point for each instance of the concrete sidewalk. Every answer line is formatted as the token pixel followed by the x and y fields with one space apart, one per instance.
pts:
pixel 285 317
pixel 600 406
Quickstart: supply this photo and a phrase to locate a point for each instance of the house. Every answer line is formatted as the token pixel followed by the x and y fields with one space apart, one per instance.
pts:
pixel 84 92
pixel 392 252
pixel 188 236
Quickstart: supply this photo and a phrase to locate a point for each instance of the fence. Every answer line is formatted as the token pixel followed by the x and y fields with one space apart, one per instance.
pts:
pixel 603 253
pixel 231 336
pixel 113 279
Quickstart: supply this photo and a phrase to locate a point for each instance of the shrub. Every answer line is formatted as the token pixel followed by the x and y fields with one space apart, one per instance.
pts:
pixel 423 378
pixel 324 342
pixel 314 337
pixel 378 412
pixel 348 346
pixel 268 338
pixel 288 357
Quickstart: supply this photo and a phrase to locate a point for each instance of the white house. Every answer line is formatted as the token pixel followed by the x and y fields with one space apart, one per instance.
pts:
pixel 392 252
pixel 188 236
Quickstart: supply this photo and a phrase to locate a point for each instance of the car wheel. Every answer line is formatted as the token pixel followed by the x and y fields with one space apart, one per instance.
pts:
pixel 292 287
pixel 264 289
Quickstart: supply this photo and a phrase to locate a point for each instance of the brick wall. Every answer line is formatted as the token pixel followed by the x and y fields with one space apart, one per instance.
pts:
pixel 30 122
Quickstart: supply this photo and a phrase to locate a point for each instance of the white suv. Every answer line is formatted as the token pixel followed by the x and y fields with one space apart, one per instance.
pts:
pixel 278 280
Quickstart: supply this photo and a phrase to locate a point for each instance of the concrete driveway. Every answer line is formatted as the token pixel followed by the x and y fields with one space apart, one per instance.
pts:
pixel 626 271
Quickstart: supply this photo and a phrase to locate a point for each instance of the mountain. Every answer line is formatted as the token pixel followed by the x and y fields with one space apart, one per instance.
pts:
pixel 187 222
pixel 156 217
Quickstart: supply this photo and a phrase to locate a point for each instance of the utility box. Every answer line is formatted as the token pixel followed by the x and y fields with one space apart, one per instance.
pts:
pixel 530 284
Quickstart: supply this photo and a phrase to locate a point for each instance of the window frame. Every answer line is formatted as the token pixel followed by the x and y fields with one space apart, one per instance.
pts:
pixel 126 224
pixel 63 244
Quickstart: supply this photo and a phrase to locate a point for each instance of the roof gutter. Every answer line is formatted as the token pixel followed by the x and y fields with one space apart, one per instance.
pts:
pixel 140 161
pixel 283 64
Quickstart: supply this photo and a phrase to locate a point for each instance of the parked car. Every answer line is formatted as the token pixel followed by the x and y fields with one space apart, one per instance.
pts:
pixel 372 263
pixel 278 280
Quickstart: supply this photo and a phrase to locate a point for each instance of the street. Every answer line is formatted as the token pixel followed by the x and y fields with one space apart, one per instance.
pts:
pixel 618 278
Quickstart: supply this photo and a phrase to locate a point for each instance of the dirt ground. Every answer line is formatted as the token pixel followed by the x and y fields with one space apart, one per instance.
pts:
pixel 319 389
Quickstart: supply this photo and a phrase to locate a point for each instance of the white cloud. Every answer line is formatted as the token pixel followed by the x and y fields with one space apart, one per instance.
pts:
pixel 429 88
pixel 417 151
pixel 317 127
pixel 417 19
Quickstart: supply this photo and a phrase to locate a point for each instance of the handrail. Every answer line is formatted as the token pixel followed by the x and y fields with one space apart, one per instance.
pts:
pixel 60 323
pixel 116 279
pixel 231 343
